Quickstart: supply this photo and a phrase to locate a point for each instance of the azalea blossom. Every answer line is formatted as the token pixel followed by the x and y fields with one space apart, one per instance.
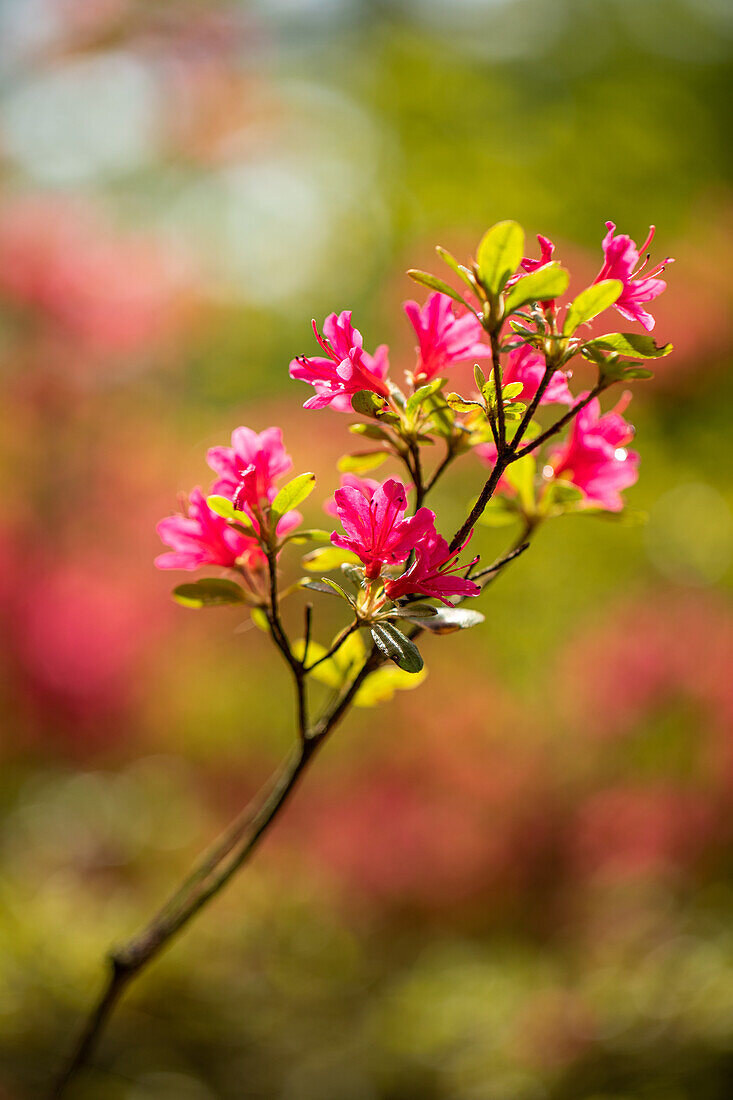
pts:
pixel 366 485
pixel 376 529
pixel 527 366
pixel 248 469
pixel 201 537
pixel 595 457
pixel 432 573
pixel 546 250
pixel 444 339
pixel 621 262
pixel 344 369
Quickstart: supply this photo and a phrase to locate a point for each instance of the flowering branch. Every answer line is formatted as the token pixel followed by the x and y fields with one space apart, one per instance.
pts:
pixel 393 565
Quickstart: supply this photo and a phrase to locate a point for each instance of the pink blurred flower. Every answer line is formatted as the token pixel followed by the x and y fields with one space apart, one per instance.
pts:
pixel 431 573
pixel 621 260
pixel 346 367
pixel 641 830
pixel 201 537
pixel 444 339
pixel 376 530
pixel 527 366
pixel 366 485
pixel 595 458
pixel 105 293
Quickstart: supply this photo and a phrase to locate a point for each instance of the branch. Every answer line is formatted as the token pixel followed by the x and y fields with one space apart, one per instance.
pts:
pixel 559 424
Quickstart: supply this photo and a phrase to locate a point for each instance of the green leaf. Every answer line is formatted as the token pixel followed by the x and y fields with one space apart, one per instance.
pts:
pixel 370 431
pixel 380 686
pixel 361 462
pixel 637 374
pixel 512 390
pixel 293 494
pixel 222 506
pixel 590 302
pixel 459 404
pixel 209 592
pixel 441 417
pixel 632 344
pixel 313 534
pixel 397 647
pixel 259 618
pixel 499 255
pixel 327 558
pixel 355 575
pixel 422 394
pixel 414 611
pixel 432 282
pixel 458 269
pixel 328 587
pixel 450 619
pixel 479 377
pixel 367 403
pixel 549 282
pixel 499 512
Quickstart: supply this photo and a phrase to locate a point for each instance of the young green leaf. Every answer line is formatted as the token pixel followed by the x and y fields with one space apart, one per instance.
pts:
pixel 355 575
pixel 313 534
pixel 459 404
pixel 458 269
pixel 397 647
pixel 499 254
pixel 293 494
pixel 367 403
pixel 370 431
pixel 222 506
pixel 450 619
pixel 327 558
pixel 361 462
pixel 421 395
pixel 635 345
pixel 414 611
pixel 432 282
pixel 328 587
pixel 208 592
pixel 548 282
pixel 590 302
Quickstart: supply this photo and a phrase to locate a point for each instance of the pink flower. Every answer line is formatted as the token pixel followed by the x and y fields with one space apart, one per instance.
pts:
pixel 346 367
pixel 444 339
pixel 250 466
pixel 595 457
pixel 546 250
pixel 431 573
pixel 201 537
pixel 376 530
pixel 621 259
pixel 527 366
pixel 366 485
pixel 529 265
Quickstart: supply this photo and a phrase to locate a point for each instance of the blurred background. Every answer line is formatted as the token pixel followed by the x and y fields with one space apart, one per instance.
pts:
pixel 516 883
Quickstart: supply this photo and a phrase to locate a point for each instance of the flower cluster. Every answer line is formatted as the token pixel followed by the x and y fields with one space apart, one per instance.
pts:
pixel 512 319
pixel 247 472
